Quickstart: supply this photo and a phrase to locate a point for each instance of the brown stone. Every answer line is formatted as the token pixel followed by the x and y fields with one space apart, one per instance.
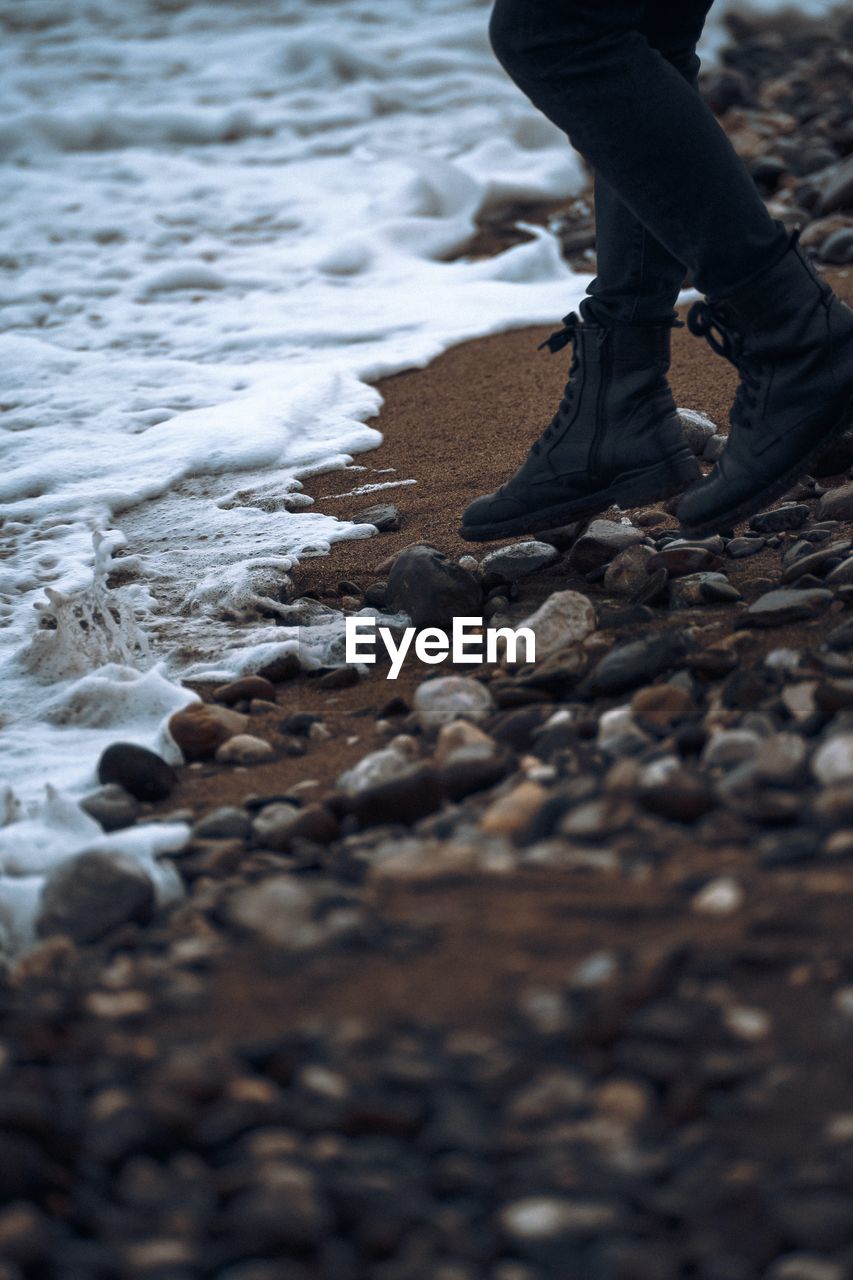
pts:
pixel 199 729
pixel 244 690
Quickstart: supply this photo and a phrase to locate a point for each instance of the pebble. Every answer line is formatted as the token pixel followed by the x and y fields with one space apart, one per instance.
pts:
pixel 833 760
pixel 740 548
pixel 142 773
pixel 384 516
pixel 512 813
pixel 517 560
pixel 545 1218
pixel 805 1266
pixel 660 706
pixel 781 759
pixel 460 740
pixel 782 519
pixel 698 430
pixel 343 677
pixel 244 749
pixel 602 540
pixel 432 589
pixel 715 448
pixel 244 690
pixel 720 897
pixel 838 248
pixel 700 589
pixel 730 747
pixel 111 806
pixel 626 573
pixel 384 765
pixel 202 727
pixel 225 823
pixel 88 895
pixel 445 698
pixel 280 911
pixel 638 662
pixel 779 607
pixel 565 618
pixel 842 573
pixel 681 560
pixel 836 504
pixel 273 825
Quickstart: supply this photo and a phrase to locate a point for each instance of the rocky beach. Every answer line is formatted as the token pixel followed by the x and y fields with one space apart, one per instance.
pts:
pixel 490 972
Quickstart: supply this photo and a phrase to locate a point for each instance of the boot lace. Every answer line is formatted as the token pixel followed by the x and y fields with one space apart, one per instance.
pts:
pixel 705 321
pixel 556 341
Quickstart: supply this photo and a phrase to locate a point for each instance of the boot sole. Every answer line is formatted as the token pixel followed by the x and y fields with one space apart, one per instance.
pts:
pixel 770 492
pixel 633 489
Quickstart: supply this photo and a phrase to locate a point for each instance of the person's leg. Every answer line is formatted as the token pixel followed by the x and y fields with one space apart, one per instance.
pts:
pixel 587 65
pixel 638 280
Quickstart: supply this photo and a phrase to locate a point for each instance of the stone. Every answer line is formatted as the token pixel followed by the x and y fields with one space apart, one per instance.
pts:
pixel 517 560
pixel 637 662
pixel 384 517
pixel 225 823
pixel 602 540
pixel 730 747
pixel 438 701
pixel 660 706
pixel 244 749
pixel 510 814
pixel 460 740
pixel 142 773
pixel 280 911
pixel 546 1218
pixel 799 700
pixel 833 760
pixel 697 429
pixel 740 548
pixel 838 248
pixel 805 1266
pixel 626 572
pixel 792 516
pixel 781 759
pixel 681 796
pixel 565 618
pixel 814 562
pixel 715 448
pixel 111 806
pixel 405 799
pixel 841 574
pixel 679 560
pixel 431 589
pixel 720 897
pixel 836 187
pixel 244 690
pixel 273 825
pixel 836 504
pixel 701 589
pixel 619 734
pixel 88 895
pixel 384 765
pixel 840 639
pixel 339 678
pixel 199 729
pixel 777 608
pixel 280 670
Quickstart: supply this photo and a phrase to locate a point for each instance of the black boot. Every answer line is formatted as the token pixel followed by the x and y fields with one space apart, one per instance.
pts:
pixel 791 340
pixel 615 438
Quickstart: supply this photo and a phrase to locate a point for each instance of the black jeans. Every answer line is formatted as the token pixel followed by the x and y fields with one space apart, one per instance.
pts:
pixel 671 195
